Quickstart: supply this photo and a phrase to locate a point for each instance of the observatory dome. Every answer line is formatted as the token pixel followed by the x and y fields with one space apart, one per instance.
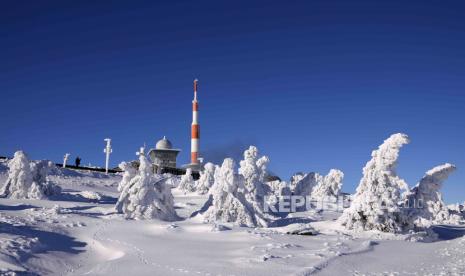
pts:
pixel 164 144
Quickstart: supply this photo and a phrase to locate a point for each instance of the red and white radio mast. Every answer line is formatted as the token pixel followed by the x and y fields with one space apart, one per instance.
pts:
pixel 195 130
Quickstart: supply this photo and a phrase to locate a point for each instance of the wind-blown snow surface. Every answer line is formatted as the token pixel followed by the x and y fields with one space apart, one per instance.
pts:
pixel 80 233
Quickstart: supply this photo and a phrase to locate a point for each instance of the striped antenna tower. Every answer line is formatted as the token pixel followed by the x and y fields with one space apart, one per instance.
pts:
pixel 195 130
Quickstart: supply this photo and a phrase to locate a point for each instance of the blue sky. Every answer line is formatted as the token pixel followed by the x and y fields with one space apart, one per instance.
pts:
pixel 314 84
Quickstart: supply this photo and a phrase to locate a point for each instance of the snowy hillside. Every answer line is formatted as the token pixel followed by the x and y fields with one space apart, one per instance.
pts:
pixel 81 234
pixel 56 221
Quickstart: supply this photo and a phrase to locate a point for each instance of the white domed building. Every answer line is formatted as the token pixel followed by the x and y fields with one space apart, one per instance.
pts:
pixel 163 156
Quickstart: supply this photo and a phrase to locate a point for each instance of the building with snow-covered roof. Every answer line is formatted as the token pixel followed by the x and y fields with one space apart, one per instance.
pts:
pixel 163 155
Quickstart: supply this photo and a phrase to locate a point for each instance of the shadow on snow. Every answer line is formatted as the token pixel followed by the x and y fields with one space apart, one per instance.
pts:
pixel 16 207
pixel 449 232
pixel 49 241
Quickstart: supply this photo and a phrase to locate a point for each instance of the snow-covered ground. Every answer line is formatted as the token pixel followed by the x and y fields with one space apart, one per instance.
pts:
pixel 79 233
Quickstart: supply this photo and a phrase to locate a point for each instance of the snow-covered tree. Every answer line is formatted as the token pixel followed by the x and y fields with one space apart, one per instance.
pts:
pixel 41 186
pixel 228 202
pixel 19 180
pixel 28 180
pixel 329 186
pixel 146 196
pixel 304 184
pixel 253 171
pixel 129 172
pixel 296 178
pixel 279 188
pixel 262 164
pixel 207 178
pixel 187 183
pixel 171 180
pixel 376 203
pixel 425 197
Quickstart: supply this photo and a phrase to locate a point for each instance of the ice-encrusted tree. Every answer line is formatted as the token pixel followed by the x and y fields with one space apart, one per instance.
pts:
pixel 19 180
pixel 228 202
pixel 375 205
pixel 329 186
pixel 207 178
pixel 262 164
pixel 304 184
pixel 28 180
pixel 253 172
pixel 426 199
pixel 129 172
pixel 146 196
pixel 187 183
pixel 41 186
pixel 279 188
pixel 296 178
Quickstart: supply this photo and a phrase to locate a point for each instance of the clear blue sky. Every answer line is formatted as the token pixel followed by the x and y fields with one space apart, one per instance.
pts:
pixel 314 84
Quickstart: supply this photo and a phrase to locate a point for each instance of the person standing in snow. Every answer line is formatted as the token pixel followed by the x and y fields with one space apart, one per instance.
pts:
pixel 77 161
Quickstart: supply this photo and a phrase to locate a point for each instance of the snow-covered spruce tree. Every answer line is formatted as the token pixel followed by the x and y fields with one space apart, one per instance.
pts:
pixel 305 184
pixel 429 208
pixel 253 171
pixel 207 178
pixel 41 186
pixel 28 180
pixel 295 179
pixel 279 188
pixel 228 203
pixel 146 196
pixel 376 203
pixel 19 180
pixel 329 186
pixel 187 183
pixel 262 164
pixel 129 172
